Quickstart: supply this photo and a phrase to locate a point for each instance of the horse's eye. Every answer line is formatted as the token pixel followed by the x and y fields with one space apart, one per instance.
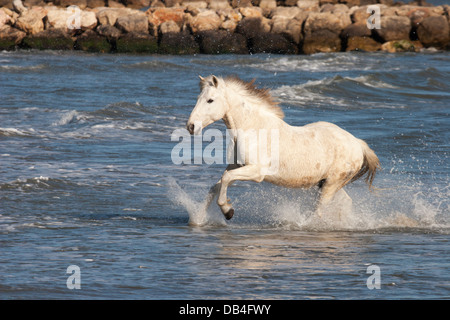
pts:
pixel 210 101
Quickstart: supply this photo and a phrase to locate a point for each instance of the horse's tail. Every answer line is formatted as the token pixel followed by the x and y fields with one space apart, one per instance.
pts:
pixel 370 165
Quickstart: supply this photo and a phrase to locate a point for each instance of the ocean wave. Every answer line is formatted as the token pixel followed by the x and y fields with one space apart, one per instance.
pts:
pixel 314 63
pixel 41 182
pixel 13 132
pixel 154 65
pixel 333 91
pixel 12 68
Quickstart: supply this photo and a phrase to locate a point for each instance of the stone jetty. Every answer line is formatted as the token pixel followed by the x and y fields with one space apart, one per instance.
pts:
pixel 223 26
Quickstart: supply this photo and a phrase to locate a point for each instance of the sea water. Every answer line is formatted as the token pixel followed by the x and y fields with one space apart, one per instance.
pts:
pixel 87 180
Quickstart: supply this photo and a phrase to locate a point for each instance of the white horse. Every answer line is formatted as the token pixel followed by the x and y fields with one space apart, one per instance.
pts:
pixel 318 154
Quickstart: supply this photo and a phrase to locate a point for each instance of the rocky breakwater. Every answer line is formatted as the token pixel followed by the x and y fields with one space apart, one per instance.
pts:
pixel 222 26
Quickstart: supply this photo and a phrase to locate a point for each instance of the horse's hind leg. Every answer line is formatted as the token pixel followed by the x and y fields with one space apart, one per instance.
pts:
pixel 334 199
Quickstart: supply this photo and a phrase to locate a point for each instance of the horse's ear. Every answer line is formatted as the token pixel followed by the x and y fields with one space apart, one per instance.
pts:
pixel 215 81
pixel 201 78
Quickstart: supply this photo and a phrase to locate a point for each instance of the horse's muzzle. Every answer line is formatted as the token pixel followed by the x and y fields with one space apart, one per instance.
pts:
pixel 190 127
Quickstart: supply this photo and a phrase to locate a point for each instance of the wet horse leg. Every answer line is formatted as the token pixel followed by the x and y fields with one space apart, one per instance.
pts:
pixel 248 173
pixel 214 190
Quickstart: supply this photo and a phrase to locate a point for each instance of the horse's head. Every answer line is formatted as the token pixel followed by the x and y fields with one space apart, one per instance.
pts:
pixel 211 105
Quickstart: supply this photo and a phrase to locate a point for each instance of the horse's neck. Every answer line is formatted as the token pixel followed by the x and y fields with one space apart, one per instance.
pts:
pixel 243 114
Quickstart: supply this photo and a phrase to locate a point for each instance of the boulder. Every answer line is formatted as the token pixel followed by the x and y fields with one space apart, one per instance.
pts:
pixel 5 19
pixel 251 12
pixel 31 21
pixel 91 41
pixel 58 18
pixel 160 15
pixel 251 27
pixel 219 4
pixel 267 4
pixel 51 39
pixel 401 46
pixel 82 4
pixel 364 43
pixel 169 26
pixel 10 37
pixel 356 30
pixel 136 22
pixel 137 43
pixel 308 5
pixel 109 15
pixel 206 20
pixel 434 31
pixel 322 40
pixel 137 4
pixel 230 19
pixel 221 41
pixel 178 43
pixel 394 28
pixel 332 22
pixel 95 3
pixel 108 31
pixel 241 3
pixel 271 43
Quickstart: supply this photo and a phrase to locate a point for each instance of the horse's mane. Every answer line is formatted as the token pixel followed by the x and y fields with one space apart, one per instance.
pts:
pixel 263 94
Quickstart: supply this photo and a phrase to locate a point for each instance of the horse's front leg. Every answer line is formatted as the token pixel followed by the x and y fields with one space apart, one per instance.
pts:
pixel 248 173
pixel 214 190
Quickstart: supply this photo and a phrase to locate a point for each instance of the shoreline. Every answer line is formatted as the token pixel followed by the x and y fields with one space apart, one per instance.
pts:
pixel 224 27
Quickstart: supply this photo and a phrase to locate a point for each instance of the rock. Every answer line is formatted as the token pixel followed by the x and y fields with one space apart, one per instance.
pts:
pixel 90 41
pixel 51 39
pixel 178 43
pixel 401 46
pixel 108 31
pixel 31 21
pixel 88 20
pixel 251 27
pixel 82 4
pixel 18 6
pixel 434 31
pixel 356 30
pixel 230 18
pixel 271 43
pixel 206 20
pixel 160 15
pixel 308 5
pixel 115 4
pixel 290 28
pixel 137 4
pixel 394 28
pixel 58 18
pixel 251 12
pixel 169 26
pixel 137 43
pixel 241 3
pixel 95 3
pixel 364 43
pixel 322 40
pixel 137 23
pixel 222 42
pixel 110 15
pixel 219 4
pixel 5 19
pixel 334 23
pixel 10 37
pixel 268 4
pixel 285 12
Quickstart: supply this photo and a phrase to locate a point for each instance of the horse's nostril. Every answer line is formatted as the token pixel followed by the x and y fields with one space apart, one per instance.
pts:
pixel 191 128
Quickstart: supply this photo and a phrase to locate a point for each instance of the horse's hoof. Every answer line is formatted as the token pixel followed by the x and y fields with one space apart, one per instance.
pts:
pixel 229 214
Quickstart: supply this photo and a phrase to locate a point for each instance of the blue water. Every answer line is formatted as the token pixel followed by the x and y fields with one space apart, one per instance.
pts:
pixel 86 179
